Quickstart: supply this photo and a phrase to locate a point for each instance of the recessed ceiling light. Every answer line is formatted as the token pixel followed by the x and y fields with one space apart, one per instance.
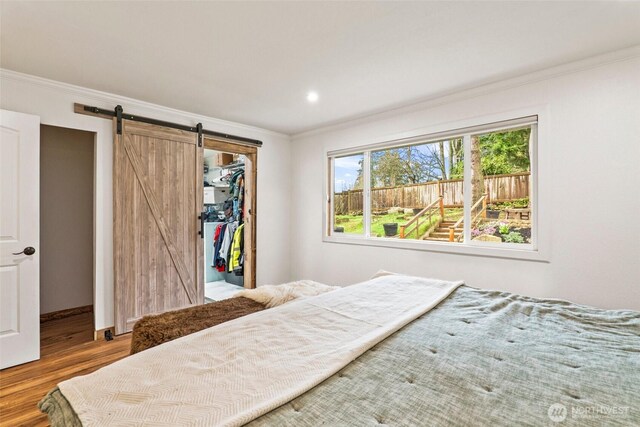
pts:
pixel 312 97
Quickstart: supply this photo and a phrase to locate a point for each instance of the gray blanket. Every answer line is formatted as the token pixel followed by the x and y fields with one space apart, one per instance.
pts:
pixel 485 358
pixel 480 358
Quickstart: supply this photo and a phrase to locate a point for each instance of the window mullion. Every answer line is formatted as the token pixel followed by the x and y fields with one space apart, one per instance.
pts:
pixel 533 179
pixel 330 212
pixel 466 189
pixel 366 193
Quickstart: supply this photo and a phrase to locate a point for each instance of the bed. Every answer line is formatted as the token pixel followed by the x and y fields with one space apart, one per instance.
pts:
pixel 441 353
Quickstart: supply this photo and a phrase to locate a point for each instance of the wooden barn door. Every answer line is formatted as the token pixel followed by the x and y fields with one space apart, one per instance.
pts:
pixel 158 190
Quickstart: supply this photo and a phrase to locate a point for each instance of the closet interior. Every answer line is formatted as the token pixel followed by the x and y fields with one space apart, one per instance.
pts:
pixel 224 216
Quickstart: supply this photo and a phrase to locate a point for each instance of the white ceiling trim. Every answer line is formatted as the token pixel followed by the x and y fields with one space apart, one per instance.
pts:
pixel 476 91
pixel 130 105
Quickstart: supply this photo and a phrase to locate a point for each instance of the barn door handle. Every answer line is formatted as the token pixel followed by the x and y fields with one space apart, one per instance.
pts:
pixel 27 251
pixel 201 218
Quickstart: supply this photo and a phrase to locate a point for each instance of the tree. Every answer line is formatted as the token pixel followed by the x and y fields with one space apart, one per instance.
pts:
pixel 429 163
pixel 456 159
pixel 414 173
pixel 358 184
pixel 477 178
pixel 413 164
pixel 441 161
pixel 505 152
pixel 388 168
pixel 492 154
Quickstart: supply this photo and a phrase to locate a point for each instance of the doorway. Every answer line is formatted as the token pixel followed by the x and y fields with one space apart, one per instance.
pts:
pixel 223 214
pixel 228 219
pixel 67 171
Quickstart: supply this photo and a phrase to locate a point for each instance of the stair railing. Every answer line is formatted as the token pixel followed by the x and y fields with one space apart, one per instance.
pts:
pixel 482 213
pixel 452 228
pixel 482 201
pixel 414 223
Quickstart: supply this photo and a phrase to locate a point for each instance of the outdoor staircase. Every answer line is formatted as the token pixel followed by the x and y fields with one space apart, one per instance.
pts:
pixel 441 232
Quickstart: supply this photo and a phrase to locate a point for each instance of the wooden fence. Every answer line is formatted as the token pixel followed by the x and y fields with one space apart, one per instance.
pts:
pixel 500 188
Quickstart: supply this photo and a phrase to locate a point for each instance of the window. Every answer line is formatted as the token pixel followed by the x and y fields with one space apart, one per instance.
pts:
pixel 469 187
pixel 348 200
pixel 416 190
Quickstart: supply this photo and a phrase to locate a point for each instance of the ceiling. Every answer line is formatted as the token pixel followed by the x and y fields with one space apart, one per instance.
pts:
pixel 254 62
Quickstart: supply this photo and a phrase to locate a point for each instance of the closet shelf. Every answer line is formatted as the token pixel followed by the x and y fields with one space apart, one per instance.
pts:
pixel 234 167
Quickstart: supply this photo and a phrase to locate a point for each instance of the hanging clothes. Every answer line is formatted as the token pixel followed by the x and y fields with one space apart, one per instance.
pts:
pixel 236 191
pixel 227 239
pixel 216 236
pixel 233 182
pixel 236 249
pixel 235 208
pixel 238 185
pixel 220 262
pixel 240 198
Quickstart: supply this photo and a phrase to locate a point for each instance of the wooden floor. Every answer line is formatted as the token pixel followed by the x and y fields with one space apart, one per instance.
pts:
pixel 67 349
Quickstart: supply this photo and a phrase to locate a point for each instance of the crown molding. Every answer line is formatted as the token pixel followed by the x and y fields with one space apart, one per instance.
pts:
pixel 129 103
pixel 475 91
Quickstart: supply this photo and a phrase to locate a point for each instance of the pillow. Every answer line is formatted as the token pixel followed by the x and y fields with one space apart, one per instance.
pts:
pixel 381 273
pixel 274 295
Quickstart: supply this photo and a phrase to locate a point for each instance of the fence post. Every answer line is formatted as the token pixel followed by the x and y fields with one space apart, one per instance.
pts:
pixel 484 206
pixel 402 231
pixel 442 207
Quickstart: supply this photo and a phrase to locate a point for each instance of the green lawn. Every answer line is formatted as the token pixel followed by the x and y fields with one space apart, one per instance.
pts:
pixel 353 223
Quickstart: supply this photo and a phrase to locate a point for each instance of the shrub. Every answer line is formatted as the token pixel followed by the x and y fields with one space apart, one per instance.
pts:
pixel 486 228
pixel 503 228
pixel 520 203
pixel 513 237
pixel 489 230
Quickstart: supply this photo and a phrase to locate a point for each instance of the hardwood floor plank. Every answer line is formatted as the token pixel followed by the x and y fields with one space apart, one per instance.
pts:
pixel 67 350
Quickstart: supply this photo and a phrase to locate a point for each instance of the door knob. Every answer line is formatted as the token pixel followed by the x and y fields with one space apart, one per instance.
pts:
pixel 27 251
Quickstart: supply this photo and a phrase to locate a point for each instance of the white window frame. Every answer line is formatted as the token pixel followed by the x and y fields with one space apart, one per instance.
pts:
pixel 534 251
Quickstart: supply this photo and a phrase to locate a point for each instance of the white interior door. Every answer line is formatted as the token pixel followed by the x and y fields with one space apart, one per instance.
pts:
pixel 19 238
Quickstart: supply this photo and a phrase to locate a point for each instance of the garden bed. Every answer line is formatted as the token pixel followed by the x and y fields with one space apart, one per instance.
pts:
pixel 506 231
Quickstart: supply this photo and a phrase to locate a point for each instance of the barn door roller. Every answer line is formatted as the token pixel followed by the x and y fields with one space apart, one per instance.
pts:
pixel 119 119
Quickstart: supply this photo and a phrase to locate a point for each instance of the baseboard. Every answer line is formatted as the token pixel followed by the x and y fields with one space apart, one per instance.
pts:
pixel 99 335
pixel 67 312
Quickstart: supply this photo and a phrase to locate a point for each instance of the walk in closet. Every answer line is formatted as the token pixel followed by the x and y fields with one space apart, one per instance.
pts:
pixel 167 210
pixel 224 214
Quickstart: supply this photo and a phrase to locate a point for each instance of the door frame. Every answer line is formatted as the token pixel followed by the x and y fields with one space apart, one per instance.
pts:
pixel 251 181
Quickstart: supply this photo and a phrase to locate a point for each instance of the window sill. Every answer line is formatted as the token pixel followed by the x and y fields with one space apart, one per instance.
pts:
pixel 510 252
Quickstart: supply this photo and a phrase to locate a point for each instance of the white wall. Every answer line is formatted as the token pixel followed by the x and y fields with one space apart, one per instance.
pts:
pixel 589 187
pixel 66 218
pixel 53 102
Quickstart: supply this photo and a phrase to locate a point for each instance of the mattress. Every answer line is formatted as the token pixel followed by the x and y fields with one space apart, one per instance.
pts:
pixel 484 358
pixel 478 358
